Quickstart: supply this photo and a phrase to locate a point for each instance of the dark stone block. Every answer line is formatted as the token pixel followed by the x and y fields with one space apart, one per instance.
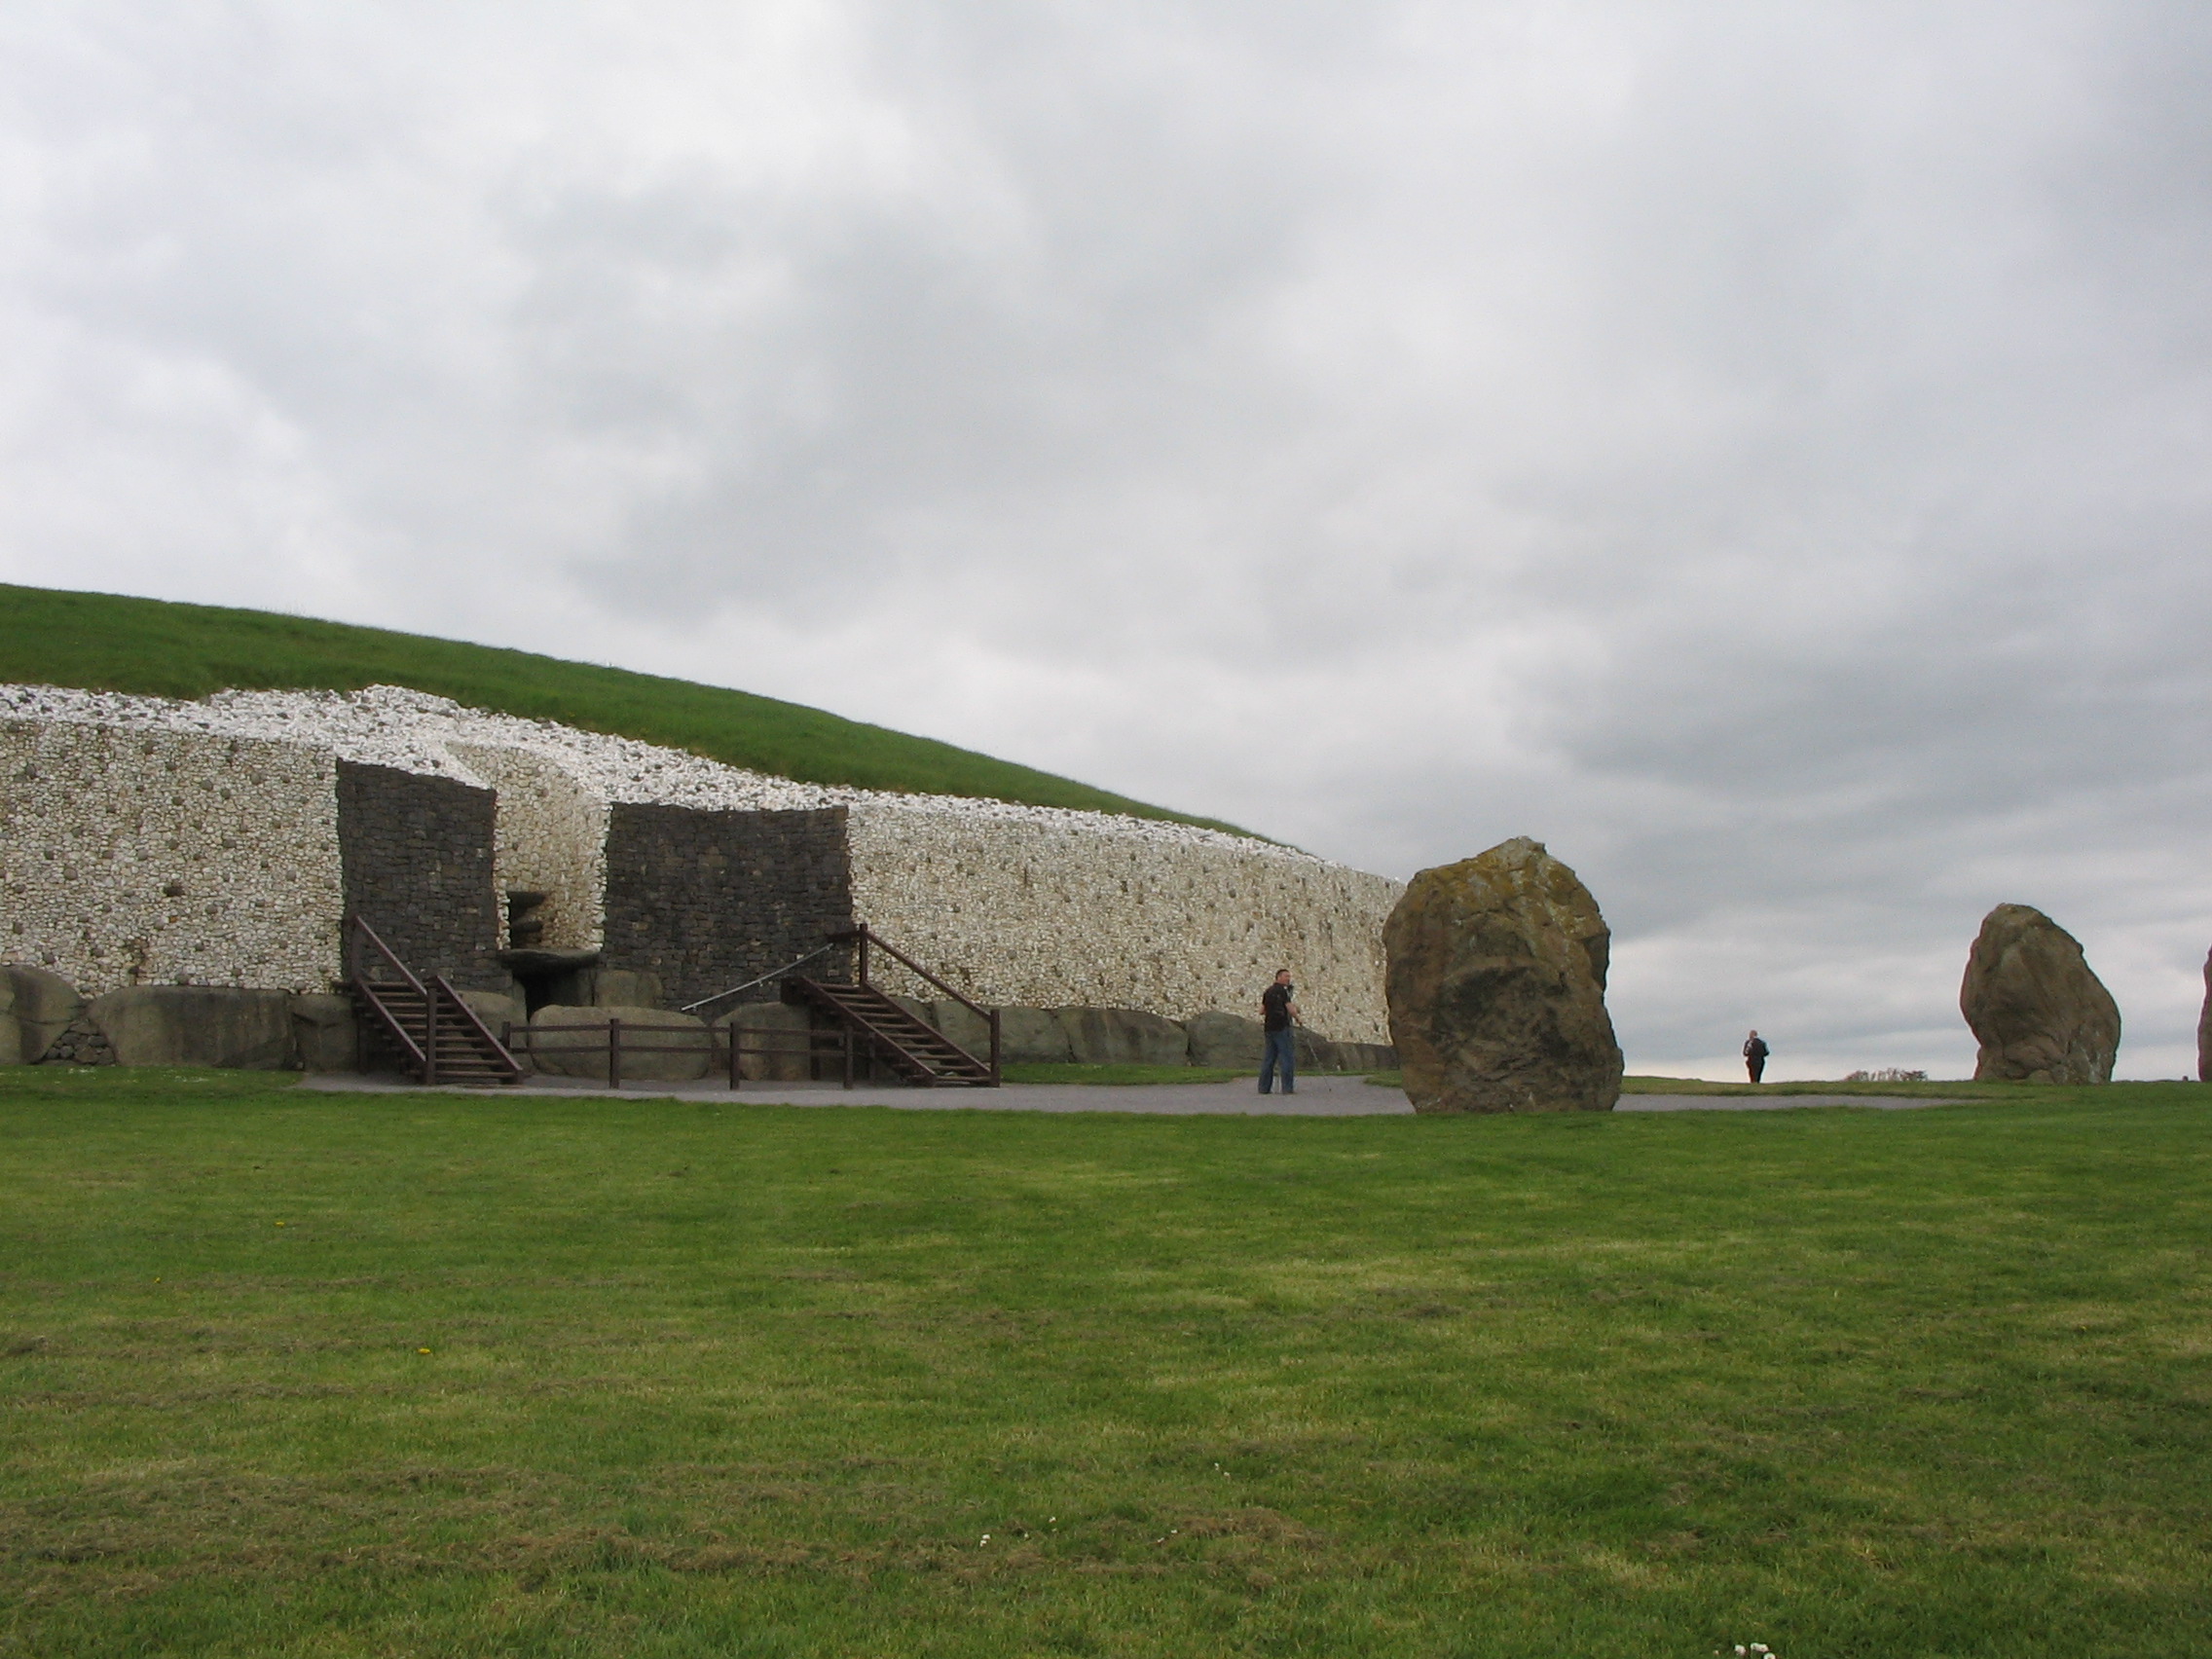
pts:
pixel 416 856
pixel 705 901
pixel 197 1025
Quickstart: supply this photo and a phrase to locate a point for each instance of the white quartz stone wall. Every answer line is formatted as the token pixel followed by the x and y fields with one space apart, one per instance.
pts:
pixel 550 838
pixel 1080 908
pixel 165 856
pixel 1027 906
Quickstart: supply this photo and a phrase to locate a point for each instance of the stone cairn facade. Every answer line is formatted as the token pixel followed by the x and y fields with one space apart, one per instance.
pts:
pixel 147 844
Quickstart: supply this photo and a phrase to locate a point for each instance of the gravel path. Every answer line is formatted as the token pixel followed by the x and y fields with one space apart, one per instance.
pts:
pixel 1317 1096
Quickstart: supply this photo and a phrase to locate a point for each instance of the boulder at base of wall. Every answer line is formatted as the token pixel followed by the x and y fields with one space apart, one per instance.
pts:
pixel 325 1033
pixel 42 1005
pixel 965 1026
pixel 1497 983
pixel 2032 1003
pixel 778 1029
pixel 1367 1056
pixel 1226 1040
pixel 11 1033
pixel 1032 1037
pixel 1123 1037
pixel 197 1025
pixel 676 1056
pixel 1316 1052
pixel 495 1009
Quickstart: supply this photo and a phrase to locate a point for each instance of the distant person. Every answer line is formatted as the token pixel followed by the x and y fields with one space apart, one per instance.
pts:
pixel 1280 1015
pixel 1754 1055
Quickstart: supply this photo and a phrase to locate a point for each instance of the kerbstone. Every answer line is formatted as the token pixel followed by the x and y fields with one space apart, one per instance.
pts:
pixel 325 1033
pixel 679 1056
pixel 495 1009
pixel 781 1030
pixel 1122 1036
pixel 2040 1014
pixel 1316 1052
pixel 41 1003
pixel 197 1025
pixel 1226 1040
pixel 1497 983
pixel 965 1026
pixel 1032 1036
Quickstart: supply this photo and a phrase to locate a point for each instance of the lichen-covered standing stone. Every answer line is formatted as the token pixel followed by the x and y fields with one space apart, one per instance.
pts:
pixel 1496 986
pixel 2031 1000
pixel 2205 1027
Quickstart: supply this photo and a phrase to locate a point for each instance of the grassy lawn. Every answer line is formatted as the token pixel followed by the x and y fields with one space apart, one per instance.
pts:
pixel 726 1378
pixel 108 643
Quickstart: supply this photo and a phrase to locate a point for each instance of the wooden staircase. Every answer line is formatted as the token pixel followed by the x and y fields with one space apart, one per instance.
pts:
pixel 427 1025
pixel 917 1050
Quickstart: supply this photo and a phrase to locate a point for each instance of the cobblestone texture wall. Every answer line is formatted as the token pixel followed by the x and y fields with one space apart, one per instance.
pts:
pixel 416 853
pixel 165 856
pixel 1053 914
pixel 552 839
pixel 706 899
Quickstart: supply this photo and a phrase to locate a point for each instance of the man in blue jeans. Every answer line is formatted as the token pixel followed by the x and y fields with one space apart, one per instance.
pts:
pixel 1280 1015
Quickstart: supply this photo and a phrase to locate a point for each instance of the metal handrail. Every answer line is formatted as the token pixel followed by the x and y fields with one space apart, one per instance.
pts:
pixel 760 980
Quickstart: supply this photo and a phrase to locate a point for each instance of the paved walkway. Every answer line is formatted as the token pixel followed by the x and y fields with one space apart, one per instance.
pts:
pixel 1317 1096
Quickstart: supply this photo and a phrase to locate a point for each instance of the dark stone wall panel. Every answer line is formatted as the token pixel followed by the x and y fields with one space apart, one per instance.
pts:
pixel 705 900
pixel 415 855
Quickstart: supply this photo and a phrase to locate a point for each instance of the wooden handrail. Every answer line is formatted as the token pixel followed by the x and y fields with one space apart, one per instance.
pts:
pixel 361 928
pixel 476 1019
pixel 867 935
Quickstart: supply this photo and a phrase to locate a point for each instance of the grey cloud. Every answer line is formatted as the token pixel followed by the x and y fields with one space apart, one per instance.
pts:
pixel 1759 451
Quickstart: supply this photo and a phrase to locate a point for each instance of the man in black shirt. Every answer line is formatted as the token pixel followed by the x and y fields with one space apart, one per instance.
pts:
pixel 1754 1055
pixel 1280 1015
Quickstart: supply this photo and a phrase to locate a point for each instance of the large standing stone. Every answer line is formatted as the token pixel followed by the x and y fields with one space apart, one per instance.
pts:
pixel 1497 983
pixel 678 1055
pixel 1123 1037
pixel 197 1025
pixel 2030 999
pixel 2205 1027
pixel 42 1004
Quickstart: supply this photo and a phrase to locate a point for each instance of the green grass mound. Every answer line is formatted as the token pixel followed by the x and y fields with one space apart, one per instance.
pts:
pixel 286 1374
pixel 105 643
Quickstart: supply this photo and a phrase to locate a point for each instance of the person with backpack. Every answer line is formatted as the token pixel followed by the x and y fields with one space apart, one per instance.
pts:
pixel 1754 1055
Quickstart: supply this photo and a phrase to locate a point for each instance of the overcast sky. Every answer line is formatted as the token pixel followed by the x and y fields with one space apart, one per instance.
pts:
pixel 1758 450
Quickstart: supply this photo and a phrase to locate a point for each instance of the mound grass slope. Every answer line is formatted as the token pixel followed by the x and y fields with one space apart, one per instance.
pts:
pixel 286 1374
pixel 154 647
